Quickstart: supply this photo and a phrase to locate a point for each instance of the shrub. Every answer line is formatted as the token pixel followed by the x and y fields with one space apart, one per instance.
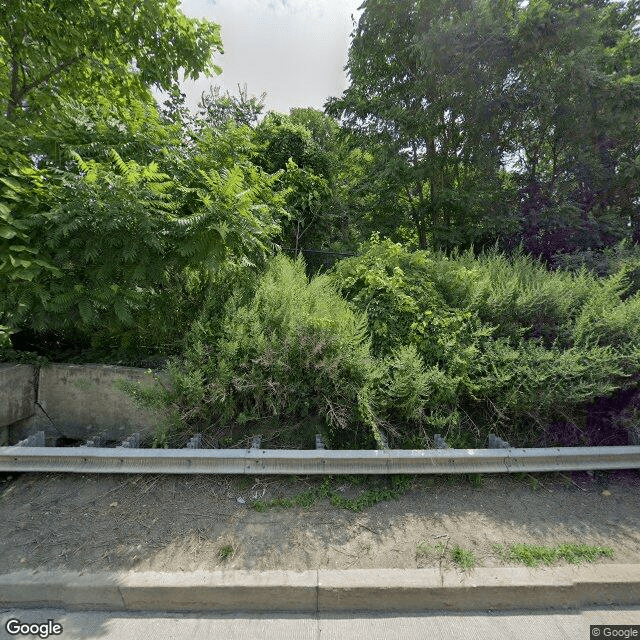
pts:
pixel 392 286
pixel 491 343
pixel 622 257
pixel 121 253
pixel 408 388
pixel 289 348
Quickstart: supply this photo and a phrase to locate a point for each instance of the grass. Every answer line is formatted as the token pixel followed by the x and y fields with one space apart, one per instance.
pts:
pixel 304 500
pixel 226 552
pixel 464 558
pixel 398 485
pixel 370 497
pixel 533 555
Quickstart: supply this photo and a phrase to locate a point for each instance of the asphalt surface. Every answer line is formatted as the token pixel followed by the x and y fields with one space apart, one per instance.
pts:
pixel 549 625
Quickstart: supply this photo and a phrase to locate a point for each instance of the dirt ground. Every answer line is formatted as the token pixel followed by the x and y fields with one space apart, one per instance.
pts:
pixel 182 523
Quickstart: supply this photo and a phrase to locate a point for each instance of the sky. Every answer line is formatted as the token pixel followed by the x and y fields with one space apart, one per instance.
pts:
pixel 295 50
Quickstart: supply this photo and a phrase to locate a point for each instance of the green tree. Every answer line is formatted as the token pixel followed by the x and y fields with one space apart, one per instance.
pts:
pixel 324 130
pixel 113 237
pixel 216 108
pixel 417 100
pixel 306 170
pixel 574 107
pixel 78 48
pixel 499 119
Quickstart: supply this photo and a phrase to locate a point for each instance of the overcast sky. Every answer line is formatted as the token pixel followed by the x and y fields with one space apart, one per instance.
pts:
pixel 295 50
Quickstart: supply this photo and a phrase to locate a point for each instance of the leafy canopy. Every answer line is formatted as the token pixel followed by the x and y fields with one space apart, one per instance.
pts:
pixel 498 118
pixel 80 47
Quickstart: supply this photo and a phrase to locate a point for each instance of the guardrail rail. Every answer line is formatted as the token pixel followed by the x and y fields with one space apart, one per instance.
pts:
pixel 129 459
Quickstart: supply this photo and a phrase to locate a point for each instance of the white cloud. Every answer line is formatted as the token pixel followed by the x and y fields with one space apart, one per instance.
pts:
pixel 295 50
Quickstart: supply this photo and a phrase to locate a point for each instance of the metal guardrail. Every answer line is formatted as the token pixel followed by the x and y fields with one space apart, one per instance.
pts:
pixel 320 461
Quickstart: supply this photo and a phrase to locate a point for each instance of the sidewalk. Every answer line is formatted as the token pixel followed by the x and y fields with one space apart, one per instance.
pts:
pixel 545 625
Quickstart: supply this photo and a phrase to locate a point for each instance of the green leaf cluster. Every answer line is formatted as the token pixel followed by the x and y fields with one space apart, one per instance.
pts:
pixel 113 244
pixel 84 48
pixel 498 120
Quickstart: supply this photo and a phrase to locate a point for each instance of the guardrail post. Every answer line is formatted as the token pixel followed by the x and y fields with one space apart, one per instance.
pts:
pixel 497 443
pixel 440 441
pixel 132 442
pixel 195 442
pixel 34 440
pixel 96 441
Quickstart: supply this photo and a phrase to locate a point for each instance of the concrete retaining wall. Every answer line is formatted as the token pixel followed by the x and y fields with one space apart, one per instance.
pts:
pixel 17 392
pixel 17 396
pixel 76 401
pixel 82 400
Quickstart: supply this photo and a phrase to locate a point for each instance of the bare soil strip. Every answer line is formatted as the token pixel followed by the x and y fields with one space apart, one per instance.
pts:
pixel 184 523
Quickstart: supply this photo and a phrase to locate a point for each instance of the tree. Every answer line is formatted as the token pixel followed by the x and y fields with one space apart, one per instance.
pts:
pixel 574 108
pixel 109 238
pixel 215 108
pixel 306 149
pixel 491 119
pixel 324 130
pixel 78 48
pixel 421 99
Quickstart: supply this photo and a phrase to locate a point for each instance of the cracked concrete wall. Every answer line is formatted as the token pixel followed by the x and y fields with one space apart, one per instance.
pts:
pixel 75 401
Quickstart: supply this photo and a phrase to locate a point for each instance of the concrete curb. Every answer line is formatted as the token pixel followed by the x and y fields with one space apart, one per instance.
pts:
pixel 327 591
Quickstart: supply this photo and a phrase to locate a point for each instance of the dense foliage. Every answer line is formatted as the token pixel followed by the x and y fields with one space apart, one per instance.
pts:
pixel 85 48
pixel 289 349
pixel 475 137
pixel 504 344
pixel 506 119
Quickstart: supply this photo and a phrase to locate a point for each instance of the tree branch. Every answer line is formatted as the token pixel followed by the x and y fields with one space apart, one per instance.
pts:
pixel 14 98
pixel 47 76
pixel 13 76
pixel 17 95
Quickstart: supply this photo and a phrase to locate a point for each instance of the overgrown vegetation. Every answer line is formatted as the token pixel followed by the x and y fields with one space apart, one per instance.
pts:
pixel 284 347
pixel 493 343
pixel 139 233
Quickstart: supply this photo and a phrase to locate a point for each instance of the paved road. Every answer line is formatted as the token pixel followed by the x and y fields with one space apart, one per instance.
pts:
pixel 470 626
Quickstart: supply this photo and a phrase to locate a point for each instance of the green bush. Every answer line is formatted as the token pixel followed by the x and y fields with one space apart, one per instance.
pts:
pixel 120 255
pixel 287 348
pixel 408 388
pixel 491 343
pixel 606 262
pixel 393 286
